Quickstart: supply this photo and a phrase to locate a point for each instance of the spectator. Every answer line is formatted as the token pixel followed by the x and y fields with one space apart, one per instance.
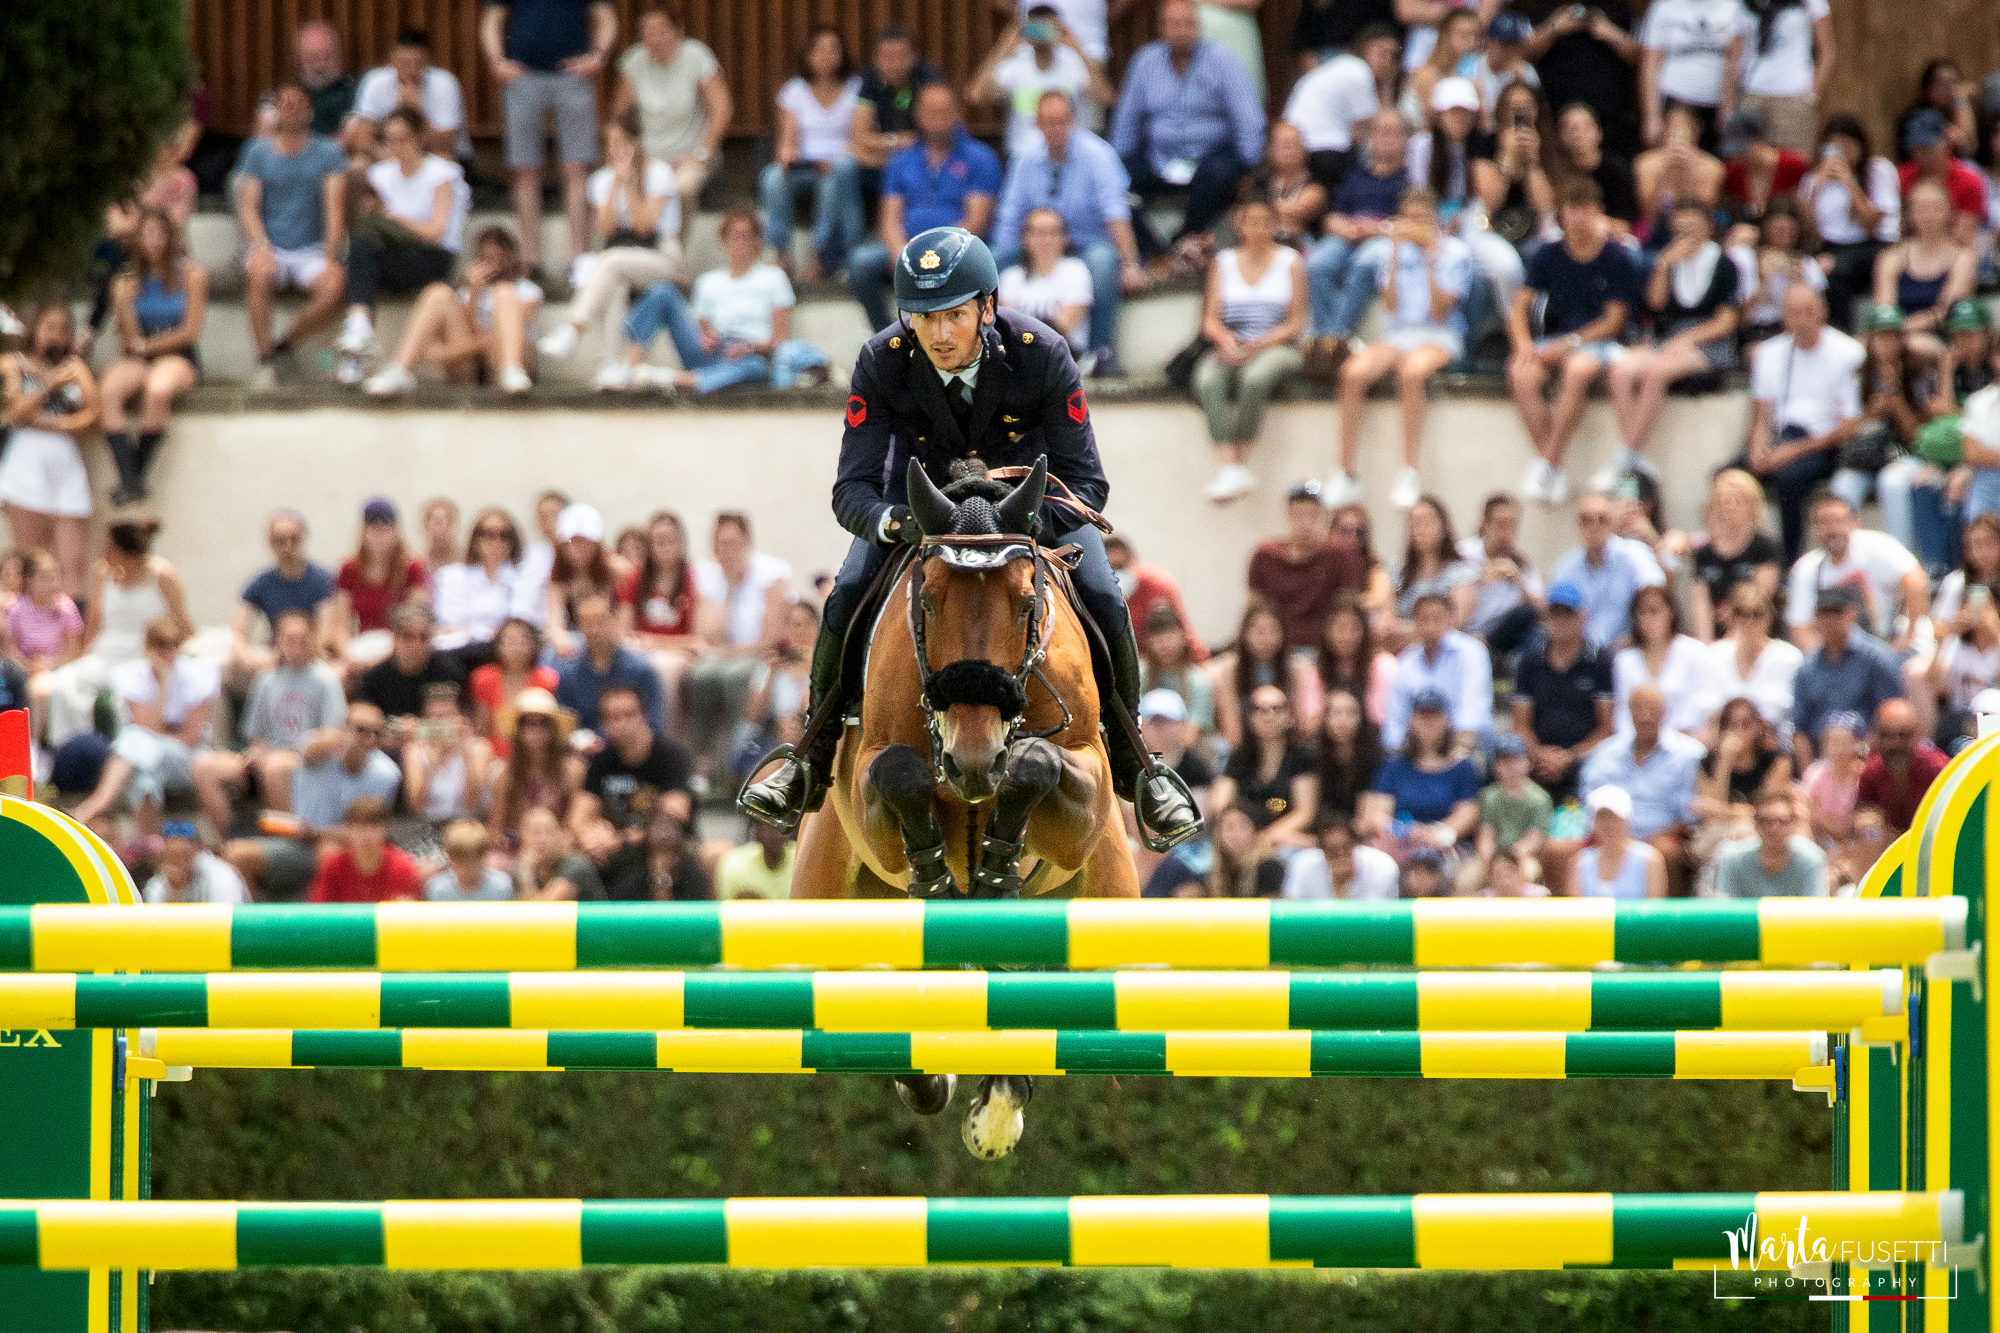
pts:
pixel 639 216
pixel 1746 765
pixel 1514 815
pixel 338 768
pixel 1258 658
pixel 1588 57
pixel 761 868
pixel 744 593
pixel 467 878
pixel 1347 658
pixel 1036 55
pixel 401 682
pixel 367 867
pixel 1350 753
pixel 1926 274
pixel 1607 570
pixel 50 397
pixel 187 874
pixel 1441 663
pixel 1656 768
pixel 410 79
pixel 816 111
pixel 1589 283
pixel 1752 663
pixel 478 333
pixel 1786 57
pixel 1302 573
pixel 1519 198
pixel 1452 159
pixel 884 123
pixel 1888 584
pixel 1341 271
pixel 1943 95
pixel 1831 784
pixel 1271 773
pixel 1166 665
pixel 1966 665
pixel 413 241
pixel 946 178
pixel 1759 173
pixel 166 700
pixel 1676 664
pixel 170 187
pixel 380 576
pixel 605 664
pixel 1579 154
pixel 536 776
pixel 1167 726
pixel 1933 160
pixel 1427 795
pixel 1857 854
pixel 664 867
pixel 1849 672
pixel 1805 392
pixel 473 595
pixel 1777 263
pixel 1960 593
pixel 1616 864
pixel 1340 96
pixel 1780 864
pixel 774 713
pixel 1730 552
pixel 43 624
pixel 1050 284
pixel 1901 385
pixel 1509 591
pixel 635 775
pixel 1252 312
pixel 438 520
pixel 1677 170
pixel 1188 118
pixel 1287 178
pixel 1424 279
pixel 1453 43
pixel 1563 694
pixel 1342 866
pixel 160 303
pixel 130 587
pixel 447 768
pixel 531 589
pixel 296 698
pixel 738 328
pixel 549 869
pixel 1692 293
pixel 293 583
pixel 291 204
pixel 676 86
pixel 1432 567
pixel 1856 205
pixel 1901 766
pixel 1378 595
pixel 1502 64
pixel 1075 174
pixel 1689 46
pixel 581 566
pixel 330 86
pixel 546 56
pixel 497 686
pixel 1967 367
pixel 663 608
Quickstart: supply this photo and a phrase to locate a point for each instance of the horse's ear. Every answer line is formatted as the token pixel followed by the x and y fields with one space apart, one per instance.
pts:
pixel 1022 508
pixel 929 506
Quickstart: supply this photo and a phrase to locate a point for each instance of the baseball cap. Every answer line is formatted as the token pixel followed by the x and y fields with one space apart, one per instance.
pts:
pixel 1303 490
pixel 1455 94
pixel 179 829
pixel 1615 799
pixel 1430 699
pixel 1741 130
pixel 1925 128
pixel 1567 596
pixel 1840 597
pixel 1162 703
pixel 1967 316
pixel 1426 856
pixel 1884 318
pixel 381 509
pixel 1510 746
pixel 580 520
pixel 1509 29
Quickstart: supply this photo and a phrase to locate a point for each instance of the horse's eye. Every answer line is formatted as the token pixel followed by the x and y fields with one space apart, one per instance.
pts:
pixel 1025 610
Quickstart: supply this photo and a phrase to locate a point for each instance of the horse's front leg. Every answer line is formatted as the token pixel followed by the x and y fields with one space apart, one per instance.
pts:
pixel 1067 825
pixel 900 792
pixel 1034 769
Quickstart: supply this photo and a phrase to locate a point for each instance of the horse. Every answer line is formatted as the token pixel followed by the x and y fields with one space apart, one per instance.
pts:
pixel 978 768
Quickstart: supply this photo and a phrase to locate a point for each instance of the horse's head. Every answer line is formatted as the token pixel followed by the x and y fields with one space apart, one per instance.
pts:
pixel 978 613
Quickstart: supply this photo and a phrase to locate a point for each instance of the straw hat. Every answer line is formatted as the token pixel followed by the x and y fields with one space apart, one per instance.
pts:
pixel 538 702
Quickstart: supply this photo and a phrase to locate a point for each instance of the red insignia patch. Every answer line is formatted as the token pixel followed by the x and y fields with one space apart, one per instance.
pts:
pixel 1078 409
pixel 857 410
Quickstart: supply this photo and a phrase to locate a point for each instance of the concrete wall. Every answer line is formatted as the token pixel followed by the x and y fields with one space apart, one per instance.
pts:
pixel 222 472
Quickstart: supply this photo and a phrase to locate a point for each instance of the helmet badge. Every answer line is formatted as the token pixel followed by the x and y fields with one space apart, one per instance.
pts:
pixel 930 260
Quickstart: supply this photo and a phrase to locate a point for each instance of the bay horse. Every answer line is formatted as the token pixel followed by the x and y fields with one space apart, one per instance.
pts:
pixel 978 769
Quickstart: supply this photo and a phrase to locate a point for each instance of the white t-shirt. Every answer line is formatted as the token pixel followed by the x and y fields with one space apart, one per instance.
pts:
pixel 1785 67
pixel 411 198
pixel 1686 680
pixel 1770 290
pixel 1816 389
pixel 1068 283
pixel 192 683
pixel 1967 670
pixel 660 184
pixel 822 129
pixel 1085 18
pixel 1026 81
pixel 214 881
pixel 1326 104
pixel 743 605
pixel 1769 684
pixel 1375 879
pixel 741 308
pixel 1695 35
pixel 1875 563
pixel 1833 206
pixel 443 102
pixel 527 290
pixel 1981 417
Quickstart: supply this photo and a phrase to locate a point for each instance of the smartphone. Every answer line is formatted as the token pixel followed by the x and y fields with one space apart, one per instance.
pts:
pixel 1041 30
pixel 1521 120
pixel 1579 12
pixel 1977 596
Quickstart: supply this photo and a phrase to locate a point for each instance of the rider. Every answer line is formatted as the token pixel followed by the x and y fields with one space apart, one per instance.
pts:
pixel 956 377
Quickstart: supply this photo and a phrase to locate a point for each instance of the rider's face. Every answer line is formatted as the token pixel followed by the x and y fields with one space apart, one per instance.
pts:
pixel 951 337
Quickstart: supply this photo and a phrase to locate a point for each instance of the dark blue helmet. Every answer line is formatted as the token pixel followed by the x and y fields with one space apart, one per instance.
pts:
pixel 941 268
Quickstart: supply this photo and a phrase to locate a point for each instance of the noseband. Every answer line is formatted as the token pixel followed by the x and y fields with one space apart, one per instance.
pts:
pixel 976 680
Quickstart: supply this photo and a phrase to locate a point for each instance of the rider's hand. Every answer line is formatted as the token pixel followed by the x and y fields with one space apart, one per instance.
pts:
pixel 899 526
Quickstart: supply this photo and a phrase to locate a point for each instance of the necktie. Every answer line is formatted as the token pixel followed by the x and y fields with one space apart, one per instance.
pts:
pixel 960 395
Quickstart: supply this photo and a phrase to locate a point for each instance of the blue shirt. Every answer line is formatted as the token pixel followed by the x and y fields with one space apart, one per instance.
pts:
pixel 1087 187
pixel 1661 788
pixel 1608 586
pixel 292 204
pixel 541 34
pixel 322 792
pixel 274 594
pixel 1579 292
pixel 1365 195
pixel 1857 681
pixel 1426 797
pixel 1173 116
pixel 1462 670
pixel 578 685
pixel 1452 271
pixel 935 196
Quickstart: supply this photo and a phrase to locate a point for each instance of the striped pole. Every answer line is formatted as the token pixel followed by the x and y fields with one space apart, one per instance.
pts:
pixel 1084 934
pixel 962 1001
pixel 1451 1231
pixel 1686 1055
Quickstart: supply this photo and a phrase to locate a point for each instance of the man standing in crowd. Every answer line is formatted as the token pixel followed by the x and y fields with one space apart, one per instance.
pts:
pixel 1188 118
pixel 637 774
pixel 293 583
pixel 546 56
pixel 605 664
pixel 1562 695
pixel 1889 583
pixel 1781 863
pixel 1448 662
pixel 410 79
pixel 1902 765
pixel 1332 103
pixel 326 79
pixel 1300 572
pixel 1035 56
pixel 298 697
pixel 291 202
pixel 1607 569
pixel 399 683
pixel 1588 54
pixel 1851 671
pixel 1805 392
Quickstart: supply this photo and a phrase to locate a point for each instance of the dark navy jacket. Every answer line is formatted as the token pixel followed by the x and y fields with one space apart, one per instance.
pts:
pixel 1028 401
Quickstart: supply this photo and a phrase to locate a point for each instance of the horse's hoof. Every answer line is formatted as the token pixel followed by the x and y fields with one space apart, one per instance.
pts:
pixel 997 1118
pixel 926 1094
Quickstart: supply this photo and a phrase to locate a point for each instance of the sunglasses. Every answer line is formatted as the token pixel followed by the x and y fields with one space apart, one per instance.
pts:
pixel 365 730
pixel 1269 708
pixel 490 532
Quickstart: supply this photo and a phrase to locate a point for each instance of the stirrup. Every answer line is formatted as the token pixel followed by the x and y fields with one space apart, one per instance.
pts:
pixel 1004 882
pixel 1165 840
pixel 786 822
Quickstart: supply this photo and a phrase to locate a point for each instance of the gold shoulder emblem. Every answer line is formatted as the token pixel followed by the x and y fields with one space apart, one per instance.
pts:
pixel 1005 417
pixel 930 260
pixel 896 342
pixel 1027 337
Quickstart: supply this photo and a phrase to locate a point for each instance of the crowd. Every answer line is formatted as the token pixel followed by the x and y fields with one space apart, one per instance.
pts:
pixel 1576 194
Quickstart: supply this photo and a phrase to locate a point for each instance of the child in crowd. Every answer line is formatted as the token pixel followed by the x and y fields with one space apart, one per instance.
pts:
pixel 1512 874
pixel 1514 814
pixel 466 877
pixel 1832 782
pixel 1861 849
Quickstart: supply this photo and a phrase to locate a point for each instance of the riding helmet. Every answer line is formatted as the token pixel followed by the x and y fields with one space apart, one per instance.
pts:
pixel 941 268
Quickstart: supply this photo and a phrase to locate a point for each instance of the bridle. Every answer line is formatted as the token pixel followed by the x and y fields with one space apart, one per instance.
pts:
pixel 985 554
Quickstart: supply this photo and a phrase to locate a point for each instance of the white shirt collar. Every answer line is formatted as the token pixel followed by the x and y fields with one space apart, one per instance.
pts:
pixel 970 374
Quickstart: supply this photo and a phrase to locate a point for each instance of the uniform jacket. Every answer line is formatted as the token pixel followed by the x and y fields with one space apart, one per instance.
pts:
pixel 1028 401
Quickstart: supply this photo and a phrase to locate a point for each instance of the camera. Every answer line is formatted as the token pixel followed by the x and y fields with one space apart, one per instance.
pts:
pixel 1579 12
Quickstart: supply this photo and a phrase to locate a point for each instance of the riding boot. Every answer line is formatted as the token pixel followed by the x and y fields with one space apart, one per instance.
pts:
pixel 125 457
pixel 798 784
pixel 1164 806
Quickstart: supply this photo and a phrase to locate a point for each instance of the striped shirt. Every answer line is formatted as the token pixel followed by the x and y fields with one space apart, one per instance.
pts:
pixel 1180 117
pixel 1250 310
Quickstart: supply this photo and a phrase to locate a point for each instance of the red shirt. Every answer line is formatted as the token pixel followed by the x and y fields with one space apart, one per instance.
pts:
pixel 486 690
pixel 654 612
pixel 1791 169
pixel 339 882
pixel 1898 798
pixel 1155 587
pixel 371 600
pixel 1303 590
pixel 1963 183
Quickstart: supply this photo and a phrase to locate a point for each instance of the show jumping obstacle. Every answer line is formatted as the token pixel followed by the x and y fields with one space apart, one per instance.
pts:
pixel 1889 1022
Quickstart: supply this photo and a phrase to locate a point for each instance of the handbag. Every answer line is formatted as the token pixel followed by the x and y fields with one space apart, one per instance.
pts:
pixel 1871 448
pixel 1180 370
